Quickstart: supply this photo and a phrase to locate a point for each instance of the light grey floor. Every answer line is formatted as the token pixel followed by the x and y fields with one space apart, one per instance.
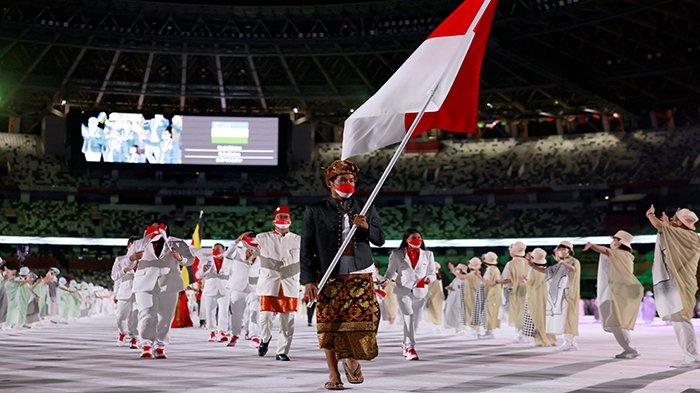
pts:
pixel 83 357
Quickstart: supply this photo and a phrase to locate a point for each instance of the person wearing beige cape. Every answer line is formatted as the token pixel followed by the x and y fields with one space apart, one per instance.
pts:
pixel 471 279
pixel 513 277
pixel 564 296
pixel 536 300
pixel 493 292
pixel 619 291
pixel 453 314
pixel 436 299
pixel 674 275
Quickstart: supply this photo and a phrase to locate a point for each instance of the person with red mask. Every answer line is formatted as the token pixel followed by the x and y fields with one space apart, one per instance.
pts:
pixel 127 315
pixel 157 284
pixel 278 283
pixel 413 268
pixel 213 269
pixel 244 266
pixel 347 311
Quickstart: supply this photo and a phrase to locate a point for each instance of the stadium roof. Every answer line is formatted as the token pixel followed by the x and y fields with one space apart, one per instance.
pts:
pixel 544 56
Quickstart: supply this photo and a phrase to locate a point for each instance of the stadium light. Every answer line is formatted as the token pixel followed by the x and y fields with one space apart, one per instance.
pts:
pixel 295 110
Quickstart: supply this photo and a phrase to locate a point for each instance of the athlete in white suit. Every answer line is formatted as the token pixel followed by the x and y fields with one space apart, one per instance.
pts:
pixel 244 266
pixel 278 284
pixel 127 314
pixel 214 269
pixel 412 267
pixel 157 283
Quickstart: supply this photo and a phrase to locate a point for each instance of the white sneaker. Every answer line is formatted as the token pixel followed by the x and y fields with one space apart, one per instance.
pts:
pixel 686 363
pixel 568 346
pixel 519 340
pixel 627 354
pixel 486 336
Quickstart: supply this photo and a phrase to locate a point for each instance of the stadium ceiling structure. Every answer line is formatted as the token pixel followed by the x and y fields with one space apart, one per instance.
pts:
pixel 544 56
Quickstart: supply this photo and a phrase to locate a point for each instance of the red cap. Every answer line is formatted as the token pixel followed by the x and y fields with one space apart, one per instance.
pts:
pixel 283 209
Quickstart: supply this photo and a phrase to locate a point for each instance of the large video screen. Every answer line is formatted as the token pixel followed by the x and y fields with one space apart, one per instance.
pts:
pixel 181 139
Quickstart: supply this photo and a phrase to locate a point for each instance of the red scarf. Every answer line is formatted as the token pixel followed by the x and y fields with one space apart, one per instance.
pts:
pixel 413 255
pixel 218 262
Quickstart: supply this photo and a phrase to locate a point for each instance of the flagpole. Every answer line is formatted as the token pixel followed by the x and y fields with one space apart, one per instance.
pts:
pixel 375 191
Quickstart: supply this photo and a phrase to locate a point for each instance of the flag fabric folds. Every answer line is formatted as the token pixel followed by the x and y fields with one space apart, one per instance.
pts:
pixel 449 62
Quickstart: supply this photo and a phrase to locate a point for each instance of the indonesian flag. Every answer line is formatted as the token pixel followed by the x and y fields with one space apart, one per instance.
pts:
pixel 449 61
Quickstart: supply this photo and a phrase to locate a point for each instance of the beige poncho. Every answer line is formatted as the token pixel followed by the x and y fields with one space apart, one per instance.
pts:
pixel 434 302
pixel 469 287
pixel 619 291
pixel 493 297
pixel 390 303
pixel 537 305
pixel 517 270
pixel 681 251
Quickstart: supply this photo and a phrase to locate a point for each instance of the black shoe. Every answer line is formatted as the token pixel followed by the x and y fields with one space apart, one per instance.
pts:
pixel 262 349
pixel 282 357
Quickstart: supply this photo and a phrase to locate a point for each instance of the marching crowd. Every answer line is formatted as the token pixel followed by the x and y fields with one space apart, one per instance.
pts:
pixel 27 299
pixel 259 278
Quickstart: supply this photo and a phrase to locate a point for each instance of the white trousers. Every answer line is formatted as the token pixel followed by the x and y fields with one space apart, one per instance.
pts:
pixel 411 309
pixel 127 317
pixel 284 343
pixel 239 303
pixel 156 309
pixel 685 334
pixel 623 338
pixel 216 320
pixel 252 314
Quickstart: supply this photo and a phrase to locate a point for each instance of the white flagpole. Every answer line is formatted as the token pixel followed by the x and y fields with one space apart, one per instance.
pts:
pixel 373 195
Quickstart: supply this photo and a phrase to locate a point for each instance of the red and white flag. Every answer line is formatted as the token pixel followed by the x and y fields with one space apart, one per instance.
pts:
pixel 449 61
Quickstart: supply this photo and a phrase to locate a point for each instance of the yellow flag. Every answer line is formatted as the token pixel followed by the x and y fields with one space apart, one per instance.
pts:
pixel 196 243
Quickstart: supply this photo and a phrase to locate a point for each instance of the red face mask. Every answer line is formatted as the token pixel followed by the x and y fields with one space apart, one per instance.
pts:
pixel 217 253
pixel 416 242
pixel 345 190
pixel 282 223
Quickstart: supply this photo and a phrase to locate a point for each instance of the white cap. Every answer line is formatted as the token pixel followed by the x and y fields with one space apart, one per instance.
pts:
pixel 24 271
pixel 55 270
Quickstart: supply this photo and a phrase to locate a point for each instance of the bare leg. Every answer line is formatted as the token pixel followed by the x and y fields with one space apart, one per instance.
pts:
pixel 332 363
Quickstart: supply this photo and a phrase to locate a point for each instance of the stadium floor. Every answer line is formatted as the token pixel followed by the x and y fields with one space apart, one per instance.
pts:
pixel 82 357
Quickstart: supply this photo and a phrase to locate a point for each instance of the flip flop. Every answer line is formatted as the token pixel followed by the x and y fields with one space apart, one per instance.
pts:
pixel 354 377
pixel 333 385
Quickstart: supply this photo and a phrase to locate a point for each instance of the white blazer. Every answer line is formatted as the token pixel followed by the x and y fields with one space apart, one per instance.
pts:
pixel 162 270
pixel 279 264
pixel 214 282
pixel 406 276
pixel 123 282
pixel 242 275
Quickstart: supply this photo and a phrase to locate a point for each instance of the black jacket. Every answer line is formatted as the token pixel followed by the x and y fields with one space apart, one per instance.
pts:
pixel 321 237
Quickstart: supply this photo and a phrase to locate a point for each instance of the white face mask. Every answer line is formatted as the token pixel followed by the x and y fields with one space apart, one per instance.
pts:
pixel 282 226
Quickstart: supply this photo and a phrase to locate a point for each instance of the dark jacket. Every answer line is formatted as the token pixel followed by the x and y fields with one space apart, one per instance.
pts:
pixel 321 237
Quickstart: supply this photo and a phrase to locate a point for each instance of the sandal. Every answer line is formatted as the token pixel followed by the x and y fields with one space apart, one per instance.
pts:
pixel 355 376
pixel 333 385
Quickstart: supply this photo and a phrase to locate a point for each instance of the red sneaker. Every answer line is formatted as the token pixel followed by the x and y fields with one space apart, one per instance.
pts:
pixel 160 353
pixel 120 338
pixel 224 337
pixel 411 354
pixel 232 342
pixel 134 343
pixel 212 337
pixel 146 352
pixel 255 342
